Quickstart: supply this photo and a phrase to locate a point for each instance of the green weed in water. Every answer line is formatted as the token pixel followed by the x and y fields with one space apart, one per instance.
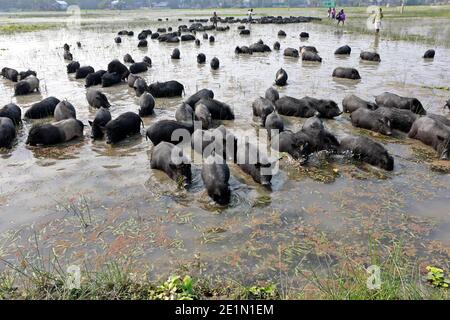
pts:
pixel 268 292
pixel 437 278
pixel 175 288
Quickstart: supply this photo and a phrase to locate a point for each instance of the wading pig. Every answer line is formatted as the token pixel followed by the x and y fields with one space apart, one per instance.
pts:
pixel 73 67
pixel 163 130
pixel 102 117
pixel 97 99
pixel 274 123
pixel 13 112
pixel 83 72
pixel 218 141
pixel 370 56
pixel 281 77
pixel 26 86
pixel 185 114
pixel 289 106
pixel 110 79
pixel 54 133
pixel 432 133
pixel 42 109
pixel 138 67
pixel 125 125
pixel 25 74
pixel 400 119
pixel 65 110
pixel 318 137
pixel 170 159
pixel 7 132
pixel 346 73
pixel 367 150
pixel 214 63
pixel 391 100
pixel 262 107
pixel 215 176
pixel 253 162
pixel 140 87
pixel 203 115
pixel 219 110
pixel 351 103
pixel 10 74
pixel 272 94
pixel 370 120
pixel 118 67
pixel 201 58
pixel 343 50
pixel 166 89
pixel 296 144
pixel 201 94
pixel 146 104
pixel 94 79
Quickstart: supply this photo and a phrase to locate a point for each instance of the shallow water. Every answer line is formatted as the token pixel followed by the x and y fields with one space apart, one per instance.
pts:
pixel 327 209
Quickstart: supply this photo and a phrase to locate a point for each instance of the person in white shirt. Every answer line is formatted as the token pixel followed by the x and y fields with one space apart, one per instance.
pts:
pixel 377 20
pixel 250 14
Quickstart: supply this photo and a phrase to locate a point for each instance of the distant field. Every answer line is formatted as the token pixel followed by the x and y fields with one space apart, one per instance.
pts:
pixel 11 28
pixel 441 11
pixel 417 23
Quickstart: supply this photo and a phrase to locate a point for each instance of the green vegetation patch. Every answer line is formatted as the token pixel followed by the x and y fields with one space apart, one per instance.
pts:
pixel 16 28
pixel 399 278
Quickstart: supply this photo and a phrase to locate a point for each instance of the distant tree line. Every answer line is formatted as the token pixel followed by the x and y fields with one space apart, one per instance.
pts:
pixel 132 4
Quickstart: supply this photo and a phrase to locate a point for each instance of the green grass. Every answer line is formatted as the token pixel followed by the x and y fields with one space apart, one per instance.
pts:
pixel 359 26
pixel 16 28
pixel 400 279
pixel 442 11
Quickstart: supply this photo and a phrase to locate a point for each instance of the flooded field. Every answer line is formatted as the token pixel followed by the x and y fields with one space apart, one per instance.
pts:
pixel 89 202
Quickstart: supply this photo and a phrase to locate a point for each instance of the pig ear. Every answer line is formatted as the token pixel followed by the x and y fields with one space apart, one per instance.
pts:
pixel 90 123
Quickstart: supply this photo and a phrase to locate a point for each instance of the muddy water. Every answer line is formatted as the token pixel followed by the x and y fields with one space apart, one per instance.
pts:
pixel 318 214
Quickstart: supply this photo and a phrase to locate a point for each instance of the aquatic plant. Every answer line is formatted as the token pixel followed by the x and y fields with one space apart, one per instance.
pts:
pixel 437 277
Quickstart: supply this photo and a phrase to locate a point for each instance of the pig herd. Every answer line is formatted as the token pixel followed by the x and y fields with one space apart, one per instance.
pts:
pixel 217 144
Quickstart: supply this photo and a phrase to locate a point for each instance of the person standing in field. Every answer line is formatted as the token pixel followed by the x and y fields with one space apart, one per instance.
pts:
pixel 333 13
pixel 250 14
pixel 214 19
pixel 377 20
pixel 341 17
pixel 329 13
